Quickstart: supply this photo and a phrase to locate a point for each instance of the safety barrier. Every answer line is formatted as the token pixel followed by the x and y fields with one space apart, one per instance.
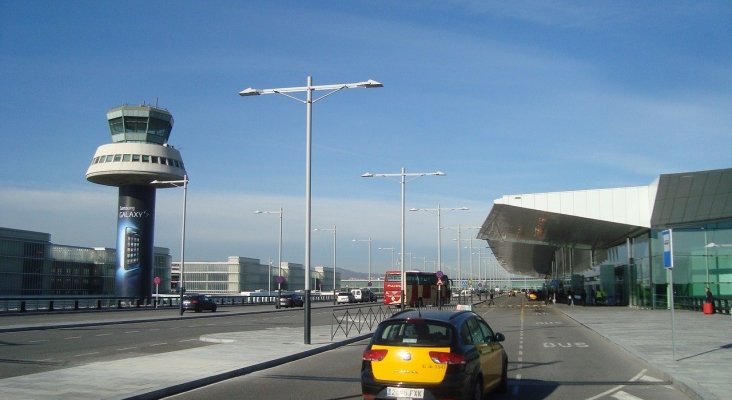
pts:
pixel 28 304
pixel 358 320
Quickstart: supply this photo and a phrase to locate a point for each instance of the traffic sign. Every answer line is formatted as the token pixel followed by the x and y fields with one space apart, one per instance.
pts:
pixel 156 280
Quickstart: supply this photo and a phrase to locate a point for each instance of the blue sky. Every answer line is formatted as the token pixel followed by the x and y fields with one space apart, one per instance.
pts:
pixel 504 97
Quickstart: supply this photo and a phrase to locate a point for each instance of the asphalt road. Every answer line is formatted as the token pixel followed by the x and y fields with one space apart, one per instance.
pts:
pixel 550 357
pixel 132 334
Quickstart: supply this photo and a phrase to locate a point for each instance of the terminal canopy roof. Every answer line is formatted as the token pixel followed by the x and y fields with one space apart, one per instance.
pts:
pixel 524 231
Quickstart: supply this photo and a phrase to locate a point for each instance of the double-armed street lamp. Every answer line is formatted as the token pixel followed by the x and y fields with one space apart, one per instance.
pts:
pixel 309 89
pixel 335 235
pixel 184 184
pixel 403 181
pixel 279 248
pixel 438 266
pixel 369 241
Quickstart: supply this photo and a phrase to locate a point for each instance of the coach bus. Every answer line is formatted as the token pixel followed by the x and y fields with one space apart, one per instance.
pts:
pixel 423 289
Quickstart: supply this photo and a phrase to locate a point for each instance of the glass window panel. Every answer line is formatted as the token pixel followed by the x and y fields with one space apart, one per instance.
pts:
pixel 126 157
pixel 136 157
pixel 117 157
pixel 145 158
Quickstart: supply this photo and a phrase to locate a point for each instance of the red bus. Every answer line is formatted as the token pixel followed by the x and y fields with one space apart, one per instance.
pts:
pixel 421 290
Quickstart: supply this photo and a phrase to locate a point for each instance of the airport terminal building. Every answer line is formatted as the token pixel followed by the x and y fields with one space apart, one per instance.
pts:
pixel 31 265
pixel 610 239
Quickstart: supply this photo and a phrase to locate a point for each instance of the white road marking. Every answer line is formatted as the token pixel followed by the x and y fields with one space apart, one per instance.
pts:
pixel 87 354
pixel 624 396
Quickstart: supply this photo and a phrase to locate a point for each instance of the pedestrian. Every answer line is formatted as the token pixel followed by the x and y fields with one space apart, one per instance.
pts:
pixel 490 299
pixel 709 299
pixel 599 296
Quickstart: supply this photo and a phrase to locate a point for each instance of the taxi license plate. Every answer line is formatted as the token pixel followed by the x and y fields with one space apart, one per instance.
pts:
pixel 405 393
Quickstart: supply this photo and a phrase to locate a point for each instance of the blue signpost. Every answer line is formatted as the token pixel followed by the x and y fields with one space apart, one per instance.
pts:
pixel 668 263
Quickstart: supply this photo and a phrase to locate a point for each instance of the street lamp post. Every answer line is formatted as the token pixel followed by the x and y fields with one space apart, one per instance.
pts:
pixel 369 241
pixel 335 234
pixel 279 247
pixel 438 266
pixel 392 254
pixel 309 89
pixel 403 175
pixel 184 184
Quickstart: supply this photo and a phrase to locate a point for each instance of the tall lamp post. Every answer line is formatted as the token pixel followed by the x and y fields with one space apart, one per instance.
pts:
pixel 438 266
pixel 279 247
pixel 392 254
pixel 403 181
pixel 369 241
pixel 309 89
pixel 184 184
pixel 335 234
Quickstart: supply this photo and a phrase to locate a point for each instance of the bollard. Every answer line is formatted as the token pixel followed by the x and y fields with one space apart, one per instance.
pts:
pixel 76 305
pixel 22 306
pixel 50 305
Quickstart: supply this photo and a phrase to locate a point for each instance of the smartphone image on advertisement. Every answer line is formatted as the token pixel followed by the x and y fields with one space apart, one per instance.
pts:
pixel 132 248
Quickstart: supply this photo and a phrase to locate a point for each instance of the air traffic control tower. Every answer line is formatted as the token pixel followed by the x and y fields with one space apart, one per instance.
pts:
pixel 138 155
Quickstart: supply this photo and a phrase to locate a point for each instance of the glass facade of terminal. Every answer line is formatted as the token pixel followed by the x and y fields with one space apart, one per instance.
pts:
pixel 633 273
pixel 30 265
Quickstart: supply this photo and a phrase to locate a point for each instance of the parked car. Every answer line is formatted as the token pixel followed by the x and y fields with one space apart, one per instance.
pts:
pixel 345 297
pixel 198 302
pixel 434 355
pixel 290 300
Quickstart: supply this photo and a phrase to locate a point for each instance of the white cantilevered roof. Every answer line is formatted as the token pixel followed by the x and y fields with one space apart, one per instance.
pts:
pixel 524 230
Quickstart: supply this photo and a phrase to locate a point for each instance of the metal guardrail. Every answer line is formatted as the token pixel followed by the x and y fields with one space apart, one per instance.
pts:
pixel 358 320
pixel 29 304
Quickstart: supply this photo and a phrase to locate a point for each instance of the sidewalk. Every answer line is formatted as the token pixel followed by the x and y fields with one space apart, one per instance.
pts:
pixel 702 367
pixel 160 375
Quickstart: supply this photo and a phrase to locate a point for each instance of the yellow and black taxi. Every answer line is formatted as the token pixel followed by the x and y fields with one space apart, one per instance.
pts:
pixel 418 354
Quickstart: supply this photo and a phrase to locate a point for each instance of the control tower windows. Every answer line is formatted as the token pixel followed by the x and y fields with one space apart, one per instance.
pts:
pixel 135 124
pixel 115 126
pixel 145 158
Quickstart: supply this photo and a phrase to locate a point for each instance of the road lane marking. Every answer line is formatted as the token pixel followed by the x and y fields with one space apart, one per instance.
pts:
pixel 72 337
pixel 158 344
pixel 126 348
pixel 619 387
pixel 624 396
pixel 132 332
pixel 87 354
pixel 38 341
pixel 104 334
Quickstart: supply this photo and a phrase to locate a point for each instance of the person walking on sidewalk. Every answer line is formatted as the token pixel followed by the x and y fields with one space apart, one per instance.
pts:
pixel 490 299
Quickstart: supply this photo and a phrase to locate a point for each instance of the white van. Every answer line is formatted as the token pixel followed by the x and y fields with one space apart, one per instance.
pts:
pixel 357 295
